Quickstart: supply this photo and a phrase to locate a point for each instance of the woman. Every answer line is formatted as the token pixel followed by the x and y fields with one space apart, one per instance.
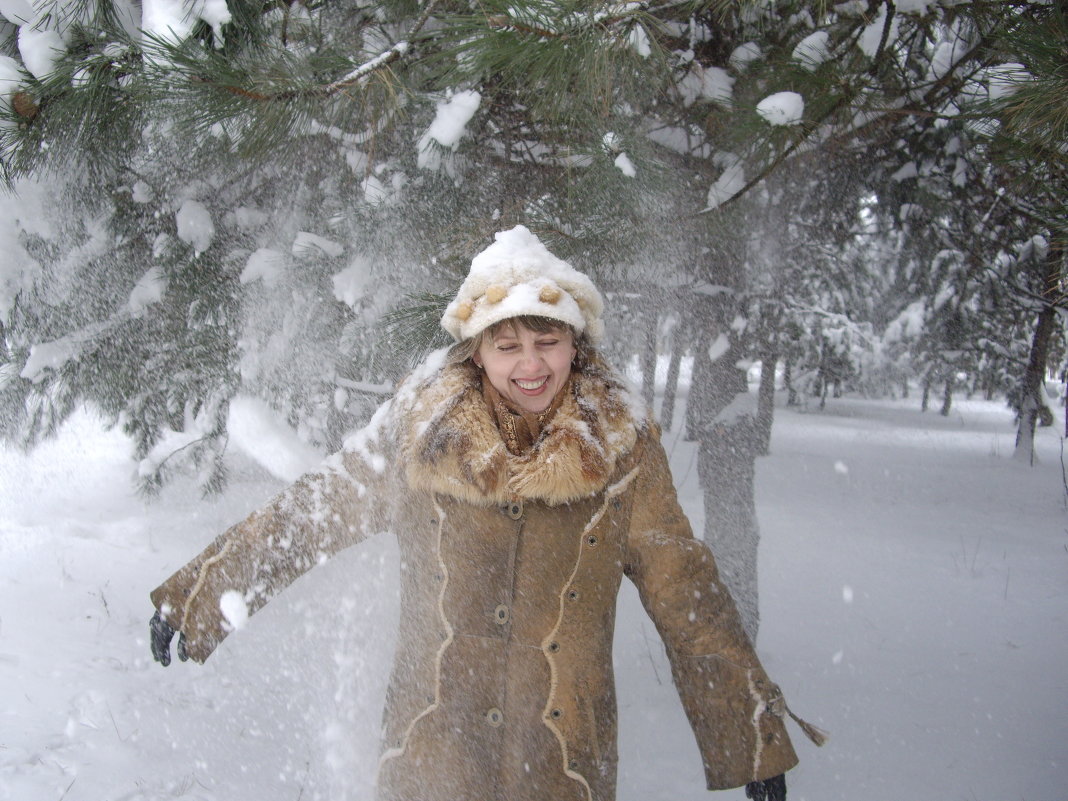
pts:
pixel 523 482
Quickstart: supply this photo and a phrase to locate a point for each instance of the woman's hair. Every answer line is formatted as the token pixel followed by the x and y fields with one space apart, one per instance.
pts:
pixel 463 351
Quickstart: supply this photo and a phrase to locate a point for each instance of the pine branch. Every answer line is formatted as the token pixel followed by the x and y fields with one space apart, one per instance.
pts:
pixel 876 60
pixel 414 330
pixel 398 51
pixel 810 128
pixel 355 77
pixel 508 21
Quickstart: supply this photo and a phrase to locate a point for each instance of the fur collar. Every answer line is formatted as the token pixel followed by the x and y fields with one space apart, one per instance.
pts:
pixel 450 444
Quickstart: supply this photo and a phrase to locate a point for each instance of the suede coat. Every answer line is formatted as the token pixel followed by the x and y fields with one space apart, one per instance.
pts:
pixel 502 686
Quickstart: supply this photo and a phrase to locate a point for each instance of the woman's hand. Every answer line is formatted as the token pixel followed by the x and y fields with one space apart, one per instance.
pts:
pixel 161 633
pixel 773 789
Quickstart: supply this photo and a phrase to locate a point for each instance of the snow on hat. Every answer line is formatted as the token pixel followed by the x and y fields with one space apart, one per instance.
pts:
pixel 517 275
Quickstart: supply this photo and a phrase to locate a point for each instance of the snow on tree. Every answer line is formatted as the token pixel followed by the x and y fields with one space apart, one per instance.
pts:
pixel 252 195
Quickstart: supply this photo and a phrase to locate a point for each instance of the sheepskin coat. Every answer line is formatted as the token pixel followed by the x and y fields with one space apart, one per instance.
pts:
pixel 502 686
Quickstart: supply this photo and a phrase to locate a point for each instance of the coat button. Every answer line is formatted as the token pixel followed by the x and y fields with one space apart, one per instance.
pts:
pixel 514 510
pixel 501 615
pixel 494 717
pixel 572 764
pixel 554 647
pixel 591 540
pixel 556 714
pixel 572 595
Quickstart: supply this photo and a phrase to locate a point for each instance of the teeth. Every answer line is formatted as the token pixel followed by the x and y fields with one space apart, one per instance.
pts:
pixel 531 384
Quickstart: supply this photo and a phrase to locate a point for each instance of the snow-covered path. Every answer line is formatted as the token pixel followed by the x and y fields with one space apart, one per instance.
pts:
pixel 935 597
pixel 914 596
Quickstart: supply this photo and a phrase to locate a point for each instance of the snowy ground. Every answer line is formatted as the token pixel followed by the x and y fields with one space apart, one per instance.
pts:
pixel 914 603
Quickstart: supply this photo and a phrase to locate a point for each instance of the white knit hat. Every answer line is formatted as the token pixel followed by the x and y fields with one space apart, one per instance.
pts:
pixel 517 275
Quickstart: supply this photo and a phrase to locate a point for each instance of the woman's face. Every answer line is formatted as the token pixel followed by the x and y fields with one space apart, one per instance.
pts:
pixel 525 367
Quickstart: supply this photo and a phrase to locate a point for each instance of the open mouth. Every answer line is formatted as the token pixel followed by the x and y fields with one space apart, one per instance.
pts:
pixel 533 385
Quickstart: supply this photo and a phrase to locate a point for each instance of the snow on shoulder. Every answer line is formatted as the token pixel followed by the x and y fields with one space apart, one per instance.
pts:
pixel 639 410
pixel 427 369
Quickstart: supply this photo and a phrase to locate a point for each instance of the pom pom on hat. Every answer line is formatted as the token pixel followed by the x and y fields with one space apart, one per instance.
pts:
pixel 550 294
pixel 517 275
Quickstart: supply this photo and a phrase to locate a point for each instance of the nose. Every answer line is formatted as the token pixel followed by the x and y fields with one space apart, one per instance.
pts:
pixel 530 359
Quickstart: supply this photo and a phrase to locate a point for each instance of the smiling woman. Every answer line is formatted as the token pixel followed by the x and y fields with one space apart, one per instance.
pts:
pixel 523 481
pixel 526 367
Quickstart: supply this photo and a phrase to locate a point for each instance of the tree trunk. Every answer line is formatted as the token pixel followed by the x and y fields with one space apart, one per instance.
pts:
pixel 726 465
pixel 647 355
pixel 766 399
pixel 725 419
pixel 947 398
pixel 1064 379
pixel 671 384
pixel 702 365
pixel 1034 376
pixel 788 382
pixel 823 378
pixel 1032 383
pixel 925 402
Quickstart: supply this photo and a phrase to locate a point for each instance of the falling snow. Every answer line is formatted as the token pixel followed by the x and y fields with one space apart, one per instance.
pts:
pixel 914 610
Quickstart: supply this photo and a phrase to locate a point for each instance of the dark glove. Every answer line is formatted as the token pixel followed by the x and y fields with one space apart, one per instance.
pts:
pixel 161 634
pixel 773 789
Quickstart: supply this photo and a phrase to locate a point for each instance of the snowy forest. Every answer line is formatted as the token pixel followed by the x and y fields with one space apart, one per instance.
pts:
pixel 220 200
pixel 220 205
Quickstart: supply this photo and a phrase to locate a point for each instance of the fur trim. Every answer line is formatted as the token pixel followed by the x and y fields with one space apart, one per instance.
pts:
pixel 450 444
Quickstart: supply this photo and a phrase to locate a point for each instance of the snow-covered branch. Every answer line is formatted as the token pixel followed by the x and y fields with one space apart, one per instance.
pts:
pixel 354 77
pixel 397 51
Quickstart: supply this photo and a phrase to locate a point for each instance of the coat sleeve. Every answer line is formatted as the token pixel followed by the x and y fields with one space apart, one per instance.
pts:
pixel 320 514
pixel 735 711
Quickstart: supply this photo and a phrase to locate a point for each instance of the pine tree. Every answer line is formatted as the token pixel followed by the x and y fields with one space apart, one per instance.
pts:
pixel 298 179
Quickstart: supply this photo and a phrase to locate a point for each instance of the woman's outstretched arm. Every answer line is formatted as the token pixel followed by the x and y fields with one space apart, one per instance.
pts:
pixel 341 503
